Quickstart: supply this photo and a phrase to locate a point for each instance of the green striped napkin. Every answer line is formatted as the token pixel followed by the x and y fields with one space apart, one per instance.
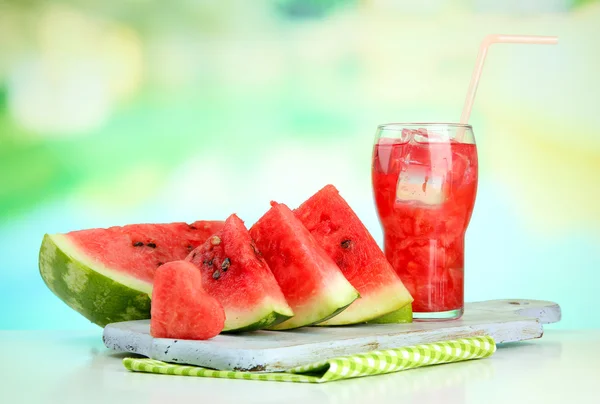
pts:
pixel 347 367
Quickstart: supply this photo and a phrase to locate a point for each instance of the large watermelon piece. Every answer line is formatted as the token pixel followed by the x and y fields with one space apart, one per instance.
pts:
pixel 337 229
pixel 181 309
pixel 311 282
pixel 106 274
pixel 234 272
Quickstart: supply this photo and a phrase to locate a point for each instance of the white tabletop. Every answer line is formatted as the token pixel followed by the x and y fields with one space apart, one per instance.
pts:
pixel 63 367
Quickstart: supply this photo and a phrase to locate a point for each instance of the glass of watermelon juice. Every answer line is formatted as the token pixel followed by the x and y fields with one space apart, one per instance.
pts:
pixel 424 183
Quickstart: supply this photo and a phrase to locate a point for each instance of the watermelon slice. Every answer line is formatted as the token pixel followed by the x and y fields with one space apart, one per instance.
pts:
pixel 106 274
pixel 236 275
pixel 181 308
pixel 336 227
pixel 312 283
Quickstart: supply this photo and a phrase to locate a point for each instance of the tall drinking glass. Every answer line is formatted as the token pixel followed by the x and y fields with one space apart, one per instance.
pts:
pixel 424 184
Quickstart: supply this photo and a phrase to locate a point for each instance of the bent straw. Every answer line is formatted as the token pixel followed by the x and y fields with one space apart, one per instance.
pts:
pixel 483 49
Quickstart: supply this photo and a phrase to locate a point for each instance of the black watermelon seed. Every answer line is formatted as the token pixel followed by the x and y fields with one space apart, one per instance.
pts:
pixel 151 245
pixel 216 274
pixel 225 264
pixel 189 247
pixel 138 244
pixel 192 227
pixel 346 243
pixel 159 263
pixel 194 255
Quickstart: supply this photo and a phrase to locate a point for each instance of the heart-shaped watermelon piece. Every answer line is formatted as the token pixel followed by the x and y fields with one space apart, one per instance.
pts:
pixel 181 308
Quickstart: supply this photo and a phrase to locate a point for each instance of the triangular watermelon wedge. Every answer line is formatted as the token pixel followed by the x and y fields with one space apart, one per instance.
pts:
pixel 106 274
pixel 337 228
pixel 313 285
pixel 234 272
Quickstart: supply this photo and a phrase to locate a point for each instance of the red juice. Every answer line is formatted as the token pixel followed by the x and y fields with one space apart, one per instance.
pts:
pixel 424 192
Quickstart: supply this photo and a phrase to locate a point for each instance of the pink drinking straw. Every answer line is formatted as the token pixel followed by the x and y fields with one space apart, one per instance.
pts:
pixel 483 49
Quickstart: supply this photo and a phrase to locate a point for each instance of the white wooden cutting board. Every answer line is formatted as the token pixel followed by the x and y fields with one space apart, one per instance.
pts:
pixel 504 320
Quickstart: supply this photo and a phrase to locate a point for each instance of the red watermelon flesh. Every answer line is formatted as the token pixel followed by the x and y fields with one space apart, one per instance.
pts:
pixel 138 249
pixel 181 308
pixel 311 282
pixel 234 272
pixel 337 229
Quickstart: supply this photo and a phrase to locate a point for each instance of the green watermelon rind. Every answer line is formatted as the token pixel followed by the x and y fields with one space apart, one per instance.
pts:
pixel 335 313
pixel 385 302
pixel 269 320
pixel 400 316
pixel 282 327
pixel 323 307
pixel 265 315
pixel 97 297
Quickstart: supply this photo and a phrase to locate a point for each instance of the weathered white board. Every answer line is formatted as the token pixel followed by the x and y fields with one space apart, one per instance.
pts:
pixel 504 320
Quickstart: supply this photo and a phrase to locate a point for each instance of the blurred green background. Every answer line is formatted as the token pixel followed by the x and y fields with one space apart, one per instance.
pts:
pixel 146 111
